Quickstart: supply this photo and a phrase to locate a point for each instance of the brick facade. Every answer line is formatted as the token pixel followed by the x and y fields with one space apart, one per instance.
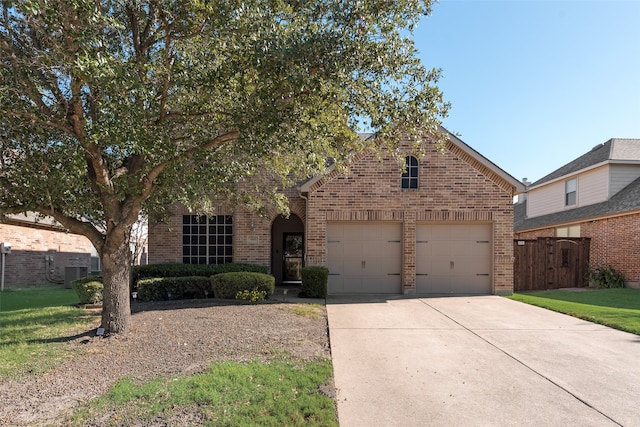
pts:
pixel 26 265
pixel 251 234
pixel 454 187
pixel 614 241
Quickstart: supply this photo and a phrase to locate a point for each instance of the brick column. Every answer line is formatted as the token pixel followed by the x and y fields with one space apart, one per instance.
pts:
pixel 409 253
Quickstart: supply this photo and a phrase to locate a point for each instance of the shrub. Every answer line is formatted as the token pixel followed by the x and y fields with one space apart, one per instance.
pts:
pixel 172 288
pixel 189 270
pixel 228 285
pixel 314 281
pixel 605 276
pixel 253 295
pixel 89 289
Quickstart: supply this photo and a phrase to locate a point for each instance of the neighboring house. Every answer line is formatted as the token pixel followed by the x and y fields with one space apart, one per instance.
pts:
pixel 597 196
pixel 42 252
pixel 445 225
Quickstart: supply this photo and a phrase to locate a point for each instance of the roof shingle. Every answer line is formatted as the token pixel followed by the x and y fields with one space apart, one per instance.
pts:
pixel 627 199
pixel 619 149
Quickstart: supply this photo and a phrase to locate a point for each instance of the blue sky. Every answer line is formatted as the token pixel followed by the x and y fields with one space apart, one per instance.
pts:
pixel 534 84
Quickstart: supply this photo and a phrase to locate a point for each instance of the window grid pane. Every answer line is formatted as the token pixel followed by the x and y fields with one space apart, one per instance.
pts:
pixel 207 240
pixel 571 187
pixel 410 175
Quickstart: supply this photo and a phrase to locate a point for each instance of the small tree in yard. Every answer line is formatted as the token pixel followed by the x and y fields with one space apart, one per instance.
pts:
pixel 113 108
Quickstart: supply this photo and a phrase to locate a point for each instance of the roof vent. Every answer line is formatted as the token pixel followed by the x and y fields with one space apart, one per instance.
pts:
pixel 597 147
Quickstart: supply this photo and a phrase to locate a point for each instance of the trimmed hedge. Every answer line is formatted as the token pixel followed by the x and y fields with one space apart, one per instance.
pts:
pixel 228 285
pixel 314 281
pixel 89 289
pixel 190 270
pixel 172 288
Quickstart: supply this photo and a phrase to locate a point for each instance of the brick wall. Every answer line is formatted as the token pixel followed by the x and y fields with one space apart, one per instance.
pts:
pixel 453 188
pixel 26 265
pixel 251 234
pixel 547 232
pixel 614 241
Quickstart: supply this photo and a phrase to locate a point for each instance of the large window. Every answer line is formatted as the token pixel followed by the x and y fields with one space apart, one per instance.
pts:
pixel 410 175
pixel 207 240
pixel 571 188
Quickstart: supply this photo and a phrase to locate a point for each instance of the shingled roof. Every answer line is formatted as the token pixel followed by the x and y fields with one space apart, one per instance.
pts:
pixel 615 150
pixel 628 199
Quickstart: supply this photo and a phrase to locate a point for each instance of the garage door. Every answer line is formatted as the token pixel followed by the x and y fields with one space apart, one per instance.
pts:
pixel 364 257
pixel 453 259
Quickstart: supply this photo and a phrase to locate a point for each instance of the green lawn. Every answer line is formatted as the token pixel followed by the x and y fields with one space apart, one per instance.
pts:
pixel 280 393
pixel 34 324
pixel 616 308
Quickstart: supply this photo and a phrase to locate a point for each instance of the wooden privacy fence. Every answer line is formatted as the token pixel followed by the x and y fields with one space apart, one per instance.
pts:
pixel 550 263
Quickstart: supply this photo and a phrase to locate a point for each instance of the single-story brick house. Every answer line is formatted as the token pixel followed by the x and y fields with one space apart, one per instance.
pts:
pixel 444 226
pixel 43 252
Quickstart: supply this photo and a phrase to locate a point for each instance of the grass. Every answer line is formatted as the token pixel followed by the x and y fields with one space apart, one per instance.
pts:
pixel 616 308
pixel 34 324
pixel 306 310
pixel 228 394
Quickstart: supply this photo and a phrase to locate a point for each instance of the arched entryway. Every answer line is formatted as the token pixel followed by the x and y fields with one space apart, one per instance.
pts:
pixel 287 249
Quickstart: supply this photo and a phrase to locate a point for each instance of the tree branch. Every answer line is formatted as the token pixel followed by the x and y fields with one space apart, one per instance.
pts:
pixel 74 225
pixel 171 115
pixel 77 226
pixel 48 123
pixel 166 80
pixel 148 181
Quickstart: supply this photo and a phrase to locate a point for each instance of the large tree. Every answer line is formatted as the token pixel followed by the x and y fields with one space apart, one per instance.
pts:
pixel 110 108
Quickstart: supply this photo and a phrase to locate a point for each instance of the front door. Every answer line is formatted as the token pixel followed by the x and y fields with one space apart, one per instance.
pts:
pixel 292 257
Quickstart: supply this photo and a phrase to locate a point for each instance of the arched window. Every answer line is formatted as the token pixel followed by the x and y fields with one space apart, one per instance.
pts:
pixel 410 175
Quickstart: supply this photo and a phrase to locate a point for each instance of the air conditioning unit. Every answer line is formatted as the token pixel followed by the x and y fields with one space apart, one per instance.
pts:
pixel 74 273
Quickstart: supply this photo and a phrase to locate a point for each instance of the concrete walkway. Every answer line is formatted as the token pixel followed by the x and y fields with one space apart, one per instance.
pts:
pixel 478 361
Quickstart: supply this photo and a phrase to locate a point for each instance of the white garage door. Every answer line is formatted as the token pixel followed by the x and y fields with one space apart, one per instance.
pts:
pixel 364 257
pixel 453 259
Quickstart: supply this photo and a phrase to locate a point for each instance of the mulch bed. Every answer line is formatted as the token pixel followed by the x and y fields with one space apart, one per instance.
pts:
pixel 166 339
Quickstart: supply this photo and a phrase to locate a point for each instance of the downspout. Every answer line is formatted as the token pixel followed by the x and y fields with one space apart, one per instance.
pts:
pixel 306 222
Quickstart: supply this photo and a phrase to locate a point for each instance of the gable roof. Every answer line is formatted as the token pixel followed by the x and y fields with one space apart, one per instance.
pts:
pixel 459 144
pixel 614 150
pixel 626 200
pixel 515 183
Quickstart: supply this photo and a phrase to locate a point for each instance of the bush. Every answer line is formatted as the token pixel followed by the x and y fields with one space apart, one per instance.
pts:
pixel 228 285
pixel 605 276
pixel 172 288
pixel 89 289
pixel 314 282
pixel 189 270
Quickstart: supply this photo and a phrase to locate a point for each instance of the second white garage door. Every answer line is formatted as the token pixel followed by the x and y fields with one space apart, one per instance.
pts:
pixel 453 259
pixel 364 257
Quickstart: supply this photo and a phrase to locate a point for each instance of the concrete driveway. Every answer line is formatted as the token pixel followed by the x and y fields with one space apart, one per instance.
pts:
pixel 478 361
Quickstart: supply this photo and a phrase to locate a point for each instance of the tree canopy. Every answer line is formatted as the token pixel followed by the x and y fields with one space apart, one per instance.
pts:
pixel 110 108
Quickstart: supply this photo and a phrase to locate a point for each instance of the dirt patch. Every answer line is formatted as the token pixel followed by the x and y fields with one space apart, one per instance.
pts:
pixel 170 338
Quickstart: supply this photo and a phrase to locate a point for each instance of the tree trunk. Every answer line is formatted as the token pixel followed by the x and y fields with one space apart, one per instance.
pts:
pixel 116 274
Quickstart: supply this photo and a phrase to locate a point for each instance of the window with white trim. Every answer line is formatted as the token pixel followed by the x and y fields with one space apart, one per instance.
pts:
pixel 569 231
pixel 207 240
pixel 410 174
pixel 570 192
